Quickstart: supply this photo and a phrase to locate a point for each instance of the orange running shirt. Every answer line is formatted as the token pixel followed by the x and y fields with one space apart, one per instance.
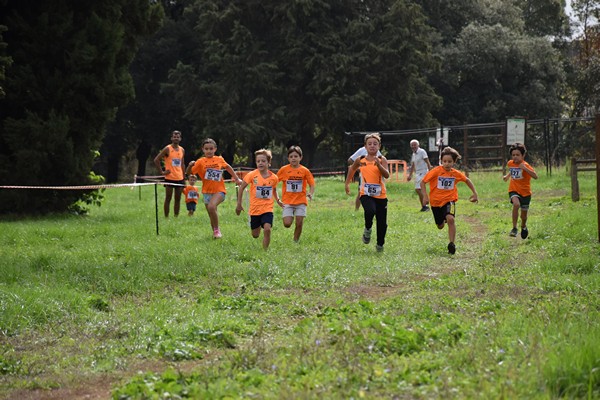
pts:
pixel 261 192
pixel 294 184
pixel 210 171
pixel 372 183
pixel 174 163
pixel 191 194
pixel 520 181
pixel 442 185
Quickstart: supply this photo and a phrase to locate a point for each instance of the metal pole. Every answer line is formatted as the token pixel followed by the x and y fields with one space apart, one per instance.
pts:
pixel 598 171
pixel 156 206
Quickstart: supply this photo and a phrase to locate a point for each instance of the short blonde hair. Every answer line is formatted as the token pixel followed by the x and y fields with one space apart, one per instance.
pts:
pixel 264 152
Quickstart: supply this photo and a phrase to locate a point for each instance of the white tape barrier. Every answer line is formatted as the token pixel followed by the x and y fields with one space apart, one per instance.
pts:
pixel 91 187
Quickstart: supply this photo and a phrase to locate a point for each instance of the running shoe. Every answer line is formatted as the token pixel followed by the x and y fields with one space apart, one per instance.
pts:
pixel 424 208
pixel 366 238
pixel 524 233
pixel 513 232
pixel 451 248
pixel 217 234
pixel 379 248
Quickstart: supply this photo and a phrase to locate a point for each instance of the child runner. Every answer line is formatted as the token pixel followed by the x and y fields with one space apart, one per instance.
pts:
pixel 172 156
pixel 191 195
pixel 373 171
pixel 295 177
pixel 361 152
pixel 210 170
pixel 444 194
pixel 519 188
pixel 263 185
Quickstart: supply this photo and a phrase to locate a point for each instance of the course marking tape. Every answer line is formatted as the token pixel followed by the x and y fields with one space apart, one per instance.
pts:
pixel 89 187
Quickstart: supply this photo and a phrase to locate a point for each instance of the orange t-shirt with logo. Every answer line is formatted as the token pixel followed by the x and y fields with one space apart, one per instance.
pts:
pixel 442 185
pixel 174 163
pixel 294 184
pixel 372 183
pixel 210 171
pixel 520 181
pixel 191 194
pixel 261 191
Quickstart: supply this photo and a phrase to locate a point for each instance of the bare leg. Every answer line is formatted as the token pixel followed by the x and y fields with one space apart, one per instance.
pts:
pixel 298 229
pixel 451 228
pixel 523 219
pixel 211 209
pixel 515 211
pixel 266 236
pixel 178 191
pixel 168 196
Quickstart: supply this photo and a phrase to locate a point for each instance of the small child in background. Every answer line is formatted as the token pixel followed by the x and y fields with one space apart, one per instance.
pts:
pixel 295 178
pixel 519 188
pixel 210 170
pixel 191 195
pixel 444 194
pixel 263 190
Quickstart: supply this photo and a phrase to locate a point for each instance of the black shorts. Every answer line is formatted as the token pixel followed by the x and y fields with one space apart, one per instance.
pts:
pixel 523 200
pixel 258 221
pixel 181 182
pixel 439 213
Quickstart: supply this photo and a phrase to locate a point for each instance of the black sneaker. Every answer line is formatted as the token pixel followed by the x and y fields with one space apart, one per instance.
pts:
pixel 379 248
pixel 524 233
pixel 451 248
pixel 424 208
pixel 366 238
pixel 513 232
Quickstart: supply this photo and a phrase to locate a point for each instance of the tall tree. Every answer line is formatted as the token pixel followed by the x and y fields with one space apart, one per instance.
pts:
pixel 300 71
pixel 69 74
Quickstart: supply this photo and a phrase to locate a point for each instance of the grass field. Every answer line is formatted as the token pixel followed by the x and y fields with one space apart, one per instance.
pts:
pixel 99 306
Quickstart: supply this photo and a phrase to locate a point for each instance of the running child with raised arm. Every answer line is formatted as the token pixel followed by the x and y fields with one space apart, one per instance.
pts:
pixel 210 170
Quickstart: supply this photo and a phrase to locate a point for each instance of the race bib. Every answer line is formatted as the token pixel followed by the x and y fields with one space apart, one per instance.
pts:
pixel 372 189
pixel 445 183
pixel 213 174
pixel 516 173
pixel 192 195
pixel 176 162
pixel 264 192
pixel 294 186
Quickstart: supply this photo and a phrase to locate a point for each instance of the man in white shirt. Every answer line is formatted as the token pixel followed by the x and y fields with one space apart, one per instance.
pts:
pixel 420 165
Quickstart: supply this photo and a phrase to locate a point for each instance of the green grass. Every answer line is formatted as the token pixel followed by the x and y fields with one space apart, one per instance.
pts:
pixel 99 305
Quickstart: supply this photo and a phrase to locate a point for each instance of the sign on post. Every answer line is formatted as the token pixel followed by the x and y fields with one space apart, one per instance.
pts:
pixel 515 131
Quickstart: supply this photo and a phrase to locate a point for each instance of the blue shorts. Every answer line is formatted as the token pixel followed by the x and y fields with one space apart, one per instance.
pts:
pixel 191 206
pixel 258 221
pixel 208 196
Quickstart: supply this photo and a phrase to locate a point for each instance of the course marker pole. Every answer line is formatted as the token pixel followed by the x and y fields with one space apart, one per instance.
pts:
pixel 156 206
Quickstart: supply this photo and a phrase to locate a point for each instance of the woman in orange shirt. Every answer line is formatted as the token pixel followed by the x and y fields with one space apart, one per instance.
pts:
pixel 172 156
pixel 443 193
pixel 374 171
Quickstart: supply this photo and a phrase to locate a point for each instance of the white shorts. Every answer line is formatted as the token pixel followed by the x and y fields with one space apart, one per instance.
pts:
pixel 298 210
pixel 418 178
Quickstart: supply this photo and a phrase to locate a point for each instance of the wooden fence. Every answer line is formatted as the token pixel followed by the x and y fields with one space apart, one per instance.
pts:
pixel 575 168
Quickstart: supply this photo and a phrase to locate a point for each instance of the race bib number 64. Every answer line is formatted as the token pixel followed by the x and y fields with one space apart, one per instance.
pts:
pixel 264 192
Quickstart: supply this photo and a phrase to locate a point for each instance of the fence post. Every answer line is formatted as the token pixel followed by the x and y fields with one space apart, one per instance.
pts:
pixel 574 181
pixel 598 171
